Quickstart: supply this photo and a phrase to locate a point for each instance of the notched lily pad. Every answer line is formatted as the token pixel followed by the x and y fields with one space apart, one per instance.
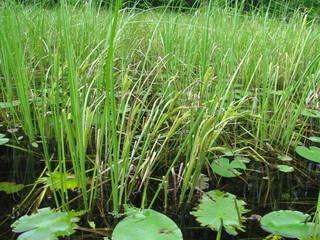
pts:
pixel 312 153
pixel 290 224
pixel 146 224
pixel 225 168
pixel 285 168
pixel 218 208
pixel 46 224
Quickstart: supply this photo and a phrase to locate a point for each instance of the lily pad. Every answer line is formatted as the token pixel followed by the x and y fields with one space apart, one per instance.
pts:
pixel 146 224
pixel 3 139
pixel 314 139
pixel 10 187
pixel 225 168
pixel 217 207
pixel 285 168
pixel 46 224
pixel 284 158
pixel 290 224
pixel 312 153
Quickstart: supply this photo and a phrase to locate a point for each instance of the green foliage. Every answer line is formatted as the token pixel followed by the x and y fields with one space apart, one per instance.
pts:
pixel 60 180
pixel 284 158
pixel 112 104
pixel 290 224
pixel 226 168
pixel 285 168
pixel 219 209
pixel 312 153
pixel 5 105
pixel 146 224
pixel 314 139
pixel 311 113
pixel 312 6
pixel 10 187
pixel 46 224
pixel 3 139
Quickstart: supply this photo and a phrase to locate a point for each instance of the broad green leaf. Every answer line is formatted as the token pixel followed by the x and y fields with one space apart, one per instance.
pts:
pixel 146 224
pixel 285 168
pixel 45 224
pixel 10 187
pixel 314 139
pixel 312 153
pixel 290 224
pixel 4 140
pixel 225 168
pixel 218 208
pixel 57 180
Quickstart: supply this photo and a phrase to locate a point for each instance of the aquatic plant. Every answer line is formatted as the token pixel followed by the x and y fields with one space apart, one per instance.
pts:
pixel 128 105
pixel 291 224
pixel 148 224
pixel 219 210
pixel 285 168
pixel 312 153
pixel 3 139
pixel 10 187
pixel 60 180
pixel 46 224
pixel 226 168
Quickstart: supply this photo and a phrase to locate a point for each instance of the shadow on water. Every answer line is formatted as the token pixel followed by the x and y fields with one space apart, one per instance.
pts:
pixel 263 191
pixel 21 168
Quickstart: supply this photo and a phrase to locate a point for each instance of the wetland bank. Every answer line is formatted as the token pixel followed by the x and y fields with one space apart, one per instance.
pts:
pixel 159 123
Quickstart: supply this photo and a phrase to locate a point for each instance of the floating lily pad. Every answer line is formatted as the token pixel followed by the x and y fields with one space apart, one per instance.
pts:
pixel 46 224
pixel 314 139
pixel 285 168
pixel 3 139
pixel 10 187
pixel 218 208
pixel 284 158
pixel 146 224
pixel 290 224
pixel 312 153
pixel 225 168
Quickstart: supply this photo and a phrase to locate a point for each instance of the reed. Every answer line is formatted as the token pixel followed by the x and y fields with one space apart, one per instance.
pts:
pixel 123 98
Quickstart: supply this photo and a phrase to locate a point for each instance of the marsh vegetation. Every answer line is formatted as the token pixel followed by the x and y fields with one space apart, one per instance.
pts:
pixel 109 112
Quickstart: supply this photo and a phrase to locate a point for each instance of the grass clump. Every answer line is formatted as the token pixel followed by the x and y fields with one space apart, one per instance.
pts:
pixel 123 101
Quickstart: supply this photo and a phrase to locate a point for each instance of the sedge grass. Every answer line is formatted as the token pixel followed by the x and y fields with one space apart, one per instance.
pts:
pixel 145 92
